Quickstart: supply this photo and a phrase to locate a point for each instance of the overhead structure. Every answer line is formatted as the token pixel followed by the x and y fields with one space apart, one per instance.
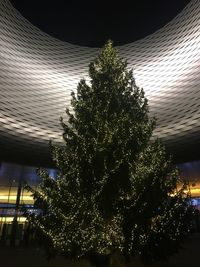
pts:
pixel 38 73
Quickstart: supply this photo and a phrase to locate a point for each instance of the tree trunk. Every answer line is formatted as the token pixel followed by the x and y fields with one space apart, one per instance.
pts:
pixel 99 260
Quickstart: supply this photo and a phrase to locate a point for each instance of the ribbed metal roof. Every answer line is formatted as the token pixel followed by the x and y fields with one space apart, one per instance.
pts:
pixel 38 73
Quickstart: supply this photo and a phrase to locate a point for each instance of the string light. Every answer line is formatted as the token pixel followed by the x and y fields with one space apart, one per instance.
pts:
pixel 113 190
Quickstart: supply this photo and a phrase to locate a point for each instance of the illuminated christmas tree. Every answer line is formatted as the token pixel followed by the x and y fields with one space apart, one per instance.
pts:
pixel 116 188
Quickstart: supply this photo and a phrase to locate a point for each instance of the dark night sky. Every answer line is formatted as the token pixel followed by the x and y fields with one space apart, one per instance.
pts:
pixel 91 23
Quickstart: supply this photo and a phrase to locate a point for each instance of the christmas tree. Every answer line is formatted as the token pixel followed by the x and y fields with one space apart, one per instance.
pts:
pixel 116 188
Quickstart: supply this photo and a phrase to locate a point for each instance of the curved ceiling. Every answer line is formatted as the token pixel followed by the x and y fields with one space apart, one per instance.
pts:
pixel 38 73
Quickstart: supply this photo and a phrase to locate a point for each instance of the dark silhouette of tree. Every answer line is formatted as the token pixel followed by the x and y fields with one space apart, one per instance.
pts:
pixel 116 188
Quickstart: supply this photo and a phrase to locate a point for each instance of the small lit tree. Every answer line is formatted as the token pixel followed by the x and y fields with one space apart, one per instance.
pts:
pixel 116 189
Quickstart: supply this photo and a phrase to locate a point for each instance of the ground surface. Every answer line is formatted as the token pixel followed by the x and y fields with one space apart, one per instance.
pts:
pixel 189 256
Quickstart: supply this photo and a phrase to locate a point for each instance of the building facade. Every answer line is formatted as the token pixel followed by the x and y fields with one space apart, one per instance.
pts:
pixel 38 73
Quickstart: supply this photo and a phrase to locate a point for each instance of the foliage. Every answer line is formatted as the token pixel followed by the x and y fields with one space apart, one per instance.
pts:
pixel 116 188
